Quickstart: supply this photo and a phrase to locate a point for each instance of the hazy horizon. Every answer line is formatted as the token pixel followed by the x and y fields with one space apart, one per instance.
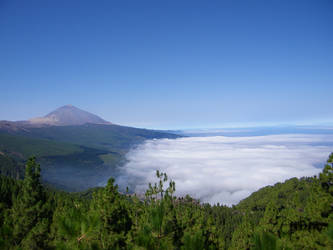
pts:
pixel 327 124
pixel 169 64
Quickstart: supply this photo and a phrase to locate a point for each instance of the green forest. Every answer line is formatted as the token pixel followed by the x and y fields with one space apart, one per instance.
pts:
pixel 72 158
pixel 296 214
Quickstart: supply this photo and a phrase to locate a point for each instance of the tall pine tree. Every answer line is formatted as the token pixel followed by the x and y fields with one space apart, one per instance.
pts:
pixel 30 212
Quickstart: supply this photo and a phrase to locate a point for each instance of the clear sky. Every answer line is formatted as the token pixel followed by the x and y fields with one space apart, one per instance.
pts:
pixel 169 64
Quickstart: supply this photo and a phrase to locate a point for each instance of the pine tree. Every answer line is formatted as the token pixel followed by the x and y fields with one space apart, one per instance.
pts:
pixel 326 177
pixel 29 212
pixel 114 216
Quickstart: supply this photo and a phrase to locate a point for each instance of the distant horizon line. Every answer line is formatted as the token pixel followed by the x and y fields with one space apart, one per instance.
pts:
pixel 317 123
pixel 245 125
pixel 228 126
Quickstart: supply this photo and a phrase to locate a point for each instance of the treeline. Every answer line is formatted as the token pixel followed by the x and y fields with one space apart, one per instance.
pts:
pixel 296 214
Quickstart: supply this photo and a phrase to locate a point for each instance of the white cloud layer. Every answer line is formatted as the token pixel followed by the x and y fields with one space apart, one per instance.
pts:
pixel 225 169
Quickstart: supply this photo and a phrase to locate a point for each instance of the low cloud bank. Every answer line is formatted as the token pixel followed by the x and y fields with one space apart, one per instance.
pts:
pixel 225 169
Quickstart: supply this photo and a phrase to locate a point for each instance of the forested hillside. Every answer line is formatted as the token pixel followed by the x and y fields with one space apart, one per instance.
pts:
pixel 72 158
pixel 296 214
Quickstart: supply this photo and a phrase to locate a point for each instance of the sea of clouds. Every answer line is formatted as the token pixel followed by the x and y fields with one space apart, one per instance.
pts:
pixel 222 169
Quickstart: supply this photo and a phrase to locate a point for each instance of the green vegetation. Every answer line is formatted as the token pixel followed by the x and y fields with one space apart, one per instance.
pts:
pixel 296 214
pixel 110 159
pixel 106 137
pixel 23 146
pixel 72 158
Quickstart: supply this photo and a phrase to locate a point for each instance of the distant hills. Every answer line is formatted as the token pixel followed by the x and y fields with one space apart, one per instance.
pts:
pixel 77 150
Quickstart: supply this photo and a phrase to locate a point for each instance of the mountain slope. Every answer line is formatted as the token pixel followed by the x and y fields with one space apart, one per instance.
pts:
pixel 72 157
pixel 68 115
pixel 109 137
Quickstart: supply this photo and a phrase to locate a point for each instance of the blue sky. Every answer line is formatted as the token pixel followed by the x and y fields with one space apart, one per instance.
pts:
pixel 169 64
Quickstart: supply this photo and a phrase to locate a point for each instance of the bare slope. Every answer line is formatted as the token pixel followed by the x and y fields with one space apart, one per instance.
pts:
pixel 68 115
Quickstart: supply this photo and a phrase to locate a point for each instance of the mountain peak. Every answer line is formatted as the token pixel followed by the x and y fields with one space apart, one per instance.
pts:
pixel 68 115
pixel 68 106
